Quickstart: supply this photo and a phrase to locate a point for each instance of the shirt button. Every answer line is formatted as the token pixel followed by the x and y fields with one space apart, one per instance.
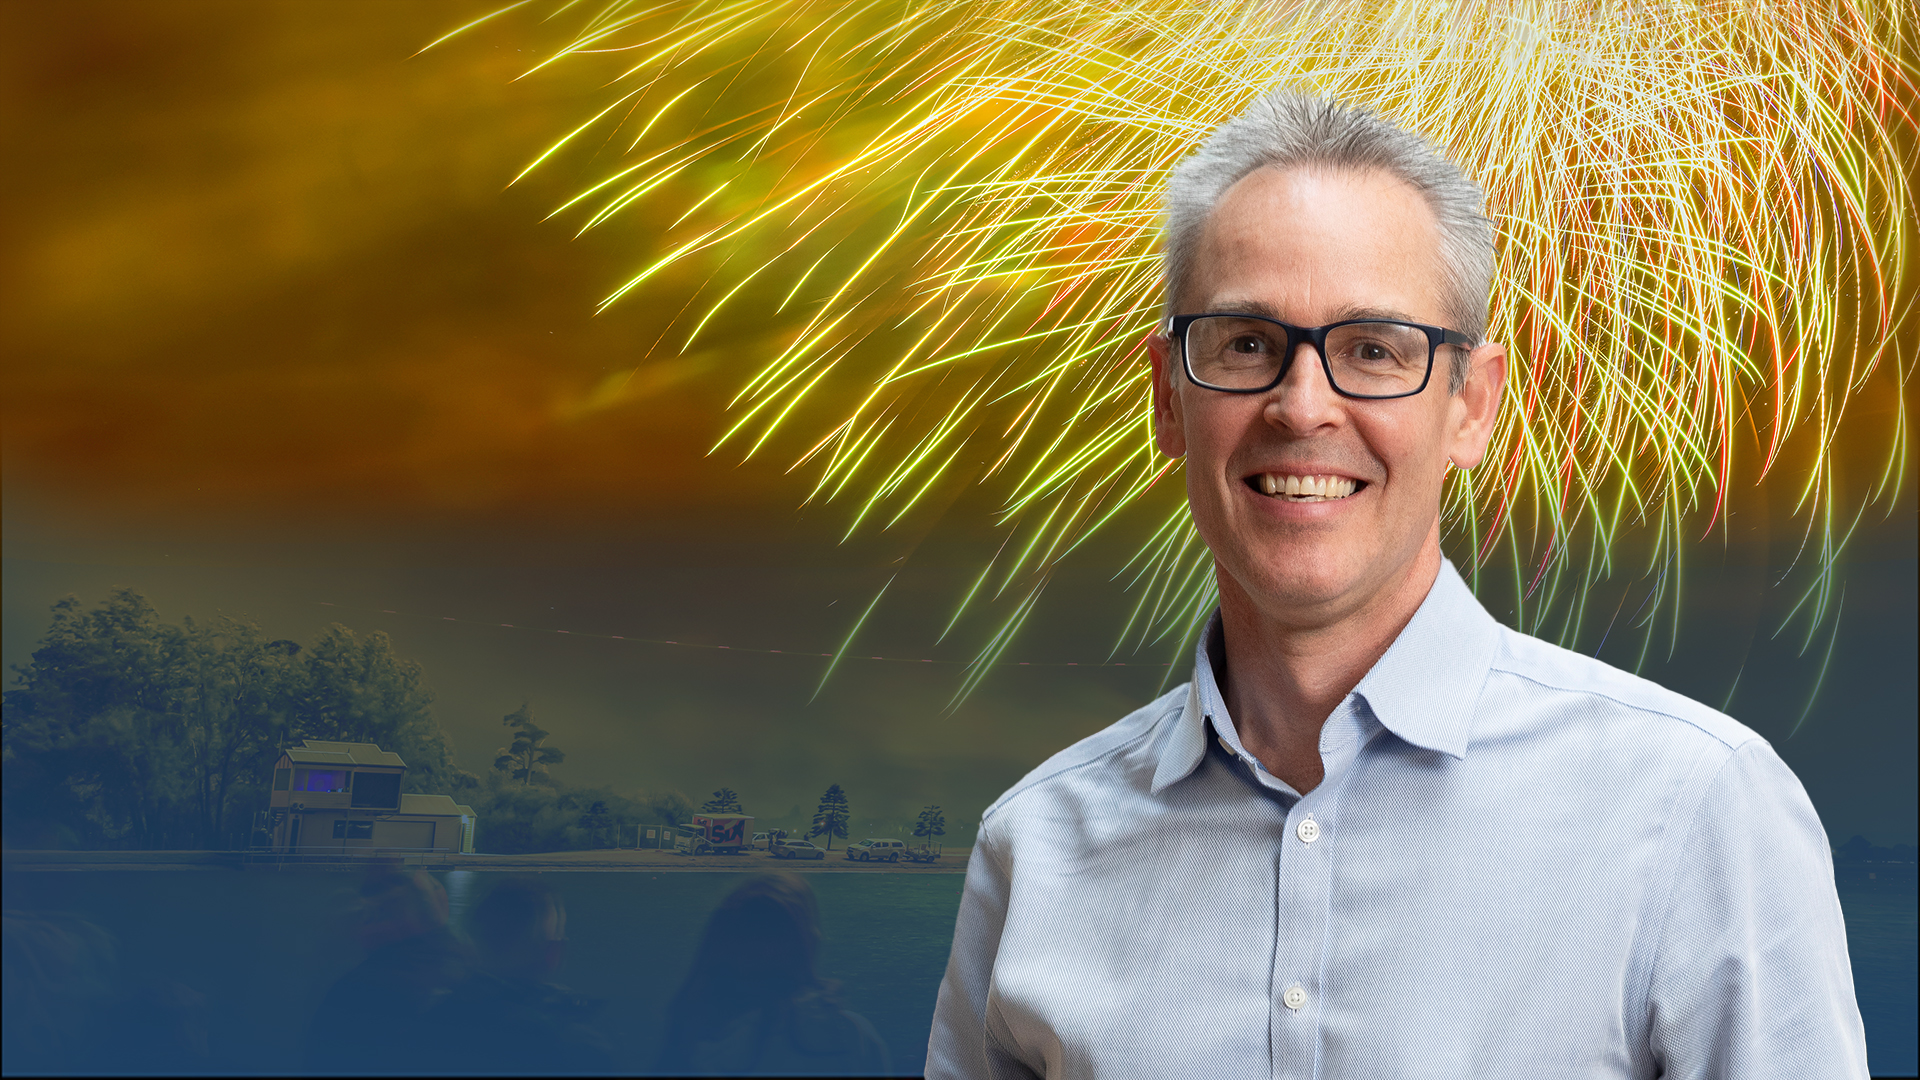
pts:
pixel 1308 831
pixel 1294 998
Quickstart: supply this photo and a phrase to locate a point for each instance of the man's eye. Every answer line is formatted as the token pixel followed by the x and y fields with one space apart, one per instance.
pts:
pixel 1247 344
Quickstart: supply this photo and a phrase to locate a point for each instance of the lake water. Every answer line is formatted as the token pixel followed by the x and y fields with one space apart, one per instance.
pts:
pixel 264 945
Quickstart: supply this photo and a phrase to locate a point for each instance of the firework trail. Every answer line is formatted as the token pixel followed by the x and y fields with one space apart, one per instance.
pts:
pixel 1702 212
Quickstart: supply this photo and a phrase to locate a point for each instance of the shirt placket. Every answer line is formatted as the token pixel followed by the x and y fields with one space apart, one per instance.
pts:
pixel 1304 889
pixel 1300 934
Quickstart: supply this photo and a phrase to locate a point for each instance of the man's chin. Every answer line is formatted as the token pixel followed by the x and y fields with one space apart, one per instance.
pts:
pixel 1303 582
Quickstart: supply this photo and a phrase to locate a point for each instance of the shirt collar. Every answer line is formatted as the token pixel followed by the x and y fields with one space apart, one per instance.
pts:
pixel 1424 689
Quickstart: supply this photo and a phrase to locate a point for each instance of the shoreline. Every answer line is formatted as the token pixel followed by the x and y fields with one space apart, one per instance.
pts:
pixel 608 860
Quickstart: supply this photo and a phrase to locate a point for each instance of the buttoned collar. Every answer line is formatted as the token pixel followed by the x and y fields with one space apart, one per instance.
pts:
pixel 1423 690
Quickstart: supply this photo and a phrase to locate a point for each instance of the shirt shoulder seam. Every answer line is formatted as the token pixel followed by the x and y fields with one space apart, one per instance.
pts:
pixel 1640 707
pixel 983 844
pixel 1032 782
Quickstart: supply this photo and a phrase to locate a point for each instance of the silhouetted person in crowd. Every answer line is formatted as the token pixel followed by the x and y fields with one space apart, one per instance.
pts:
pixel 754 1003
pixel 59 976
pixel 511 1018
pixel 379 1017
pixel 70 1008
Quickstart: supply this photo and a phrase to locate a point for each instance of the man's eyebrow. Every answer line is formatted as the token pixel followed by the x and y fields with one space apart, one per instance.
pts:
pixel 1348 313
pixel 1245 307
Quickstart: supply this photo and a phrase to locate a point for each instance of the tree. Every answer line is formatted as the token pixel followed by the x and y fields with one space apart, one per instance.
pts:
pixel 126 731
pixel 518 817
pixel 525 759
pixel 724 801
pixel 234 693
pixel 357 689
pixel 671 807
pixel 830 820
pixel 932 823
pixel 599 823
pixel 89 745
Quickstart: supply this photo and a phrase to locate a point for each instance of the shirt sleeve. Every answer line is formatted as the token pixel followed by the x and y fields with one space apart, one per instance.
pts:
pixel 1751 978
pixel 961 1048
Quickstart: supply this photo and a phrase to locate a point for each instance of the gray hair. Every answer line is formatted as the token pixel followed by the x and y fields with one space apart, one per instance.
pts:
pixel 1284 129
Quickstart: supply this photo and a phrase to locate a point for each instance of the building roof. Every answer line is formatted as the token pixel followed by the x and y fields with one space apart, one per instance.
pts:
pixel 320 752
pixel 314 757
pixel 433 805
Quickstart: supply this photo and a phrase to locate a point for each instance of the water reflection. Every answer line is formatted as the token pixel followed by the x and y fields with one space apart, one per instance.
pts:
pixel 754 1001
pixel 462 887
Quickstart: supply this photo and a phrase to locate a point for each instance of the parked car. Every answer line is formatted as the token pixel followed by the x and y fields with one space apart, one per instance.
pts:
pixel 797 849
pixel 759 841
pixel 922 854
pixel 877 850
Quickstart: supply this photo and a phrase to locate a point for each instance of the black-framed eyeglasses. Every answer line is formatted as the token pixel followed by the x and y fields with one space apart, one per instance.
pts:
pixel 1370 359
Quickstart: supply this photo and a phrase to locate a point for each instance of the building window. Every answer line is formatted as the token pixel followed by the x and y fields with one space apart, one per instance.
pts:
pixel 320 780
pixel 375 789
pixel 281 778
pixel 353 830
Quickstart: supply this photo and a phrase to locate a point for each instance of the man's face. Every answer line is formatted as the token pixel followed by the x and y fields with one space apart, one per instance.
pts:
pixel 1313 247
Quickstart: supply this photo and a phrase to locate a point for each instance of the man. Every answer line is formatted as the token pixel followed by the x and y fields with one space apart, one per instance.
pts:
pixel 1379 834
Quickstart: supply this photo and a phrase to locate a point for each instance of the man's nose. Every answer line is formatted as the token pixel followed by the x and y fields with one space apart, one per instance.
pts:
pixel 1303 400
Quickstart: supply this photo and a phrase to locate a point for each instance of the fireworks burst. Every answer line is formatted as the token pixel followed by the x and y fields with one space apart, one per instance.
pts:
pixel 1701 209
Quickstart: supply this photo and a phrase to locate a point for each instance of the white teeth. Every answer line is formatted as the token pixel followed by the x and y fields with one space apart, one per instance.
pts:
pixel 1307 488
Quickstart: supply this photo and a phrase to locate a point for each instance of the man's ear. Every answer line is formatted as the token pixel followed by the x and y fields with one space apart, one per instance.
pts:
pixel 1475 408
pixel 1167 432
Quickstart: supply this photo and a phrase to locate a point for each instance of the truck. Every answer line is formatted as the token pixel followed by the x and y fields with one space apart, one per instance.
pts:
pixel 716 834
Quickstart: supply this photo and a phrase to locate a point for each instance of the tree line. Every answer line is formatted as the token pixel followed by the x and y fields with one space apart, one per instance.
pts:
pixel 125 731
pixel 830 819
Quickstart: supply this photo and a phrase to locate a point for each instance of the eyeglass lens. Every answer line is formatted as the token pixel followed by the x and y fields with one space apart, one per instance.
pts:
pixel 1374 359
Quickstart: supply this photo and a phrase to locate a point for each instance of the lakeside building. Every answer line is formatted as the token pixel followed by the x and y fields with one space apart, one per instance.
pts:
pixel 344 798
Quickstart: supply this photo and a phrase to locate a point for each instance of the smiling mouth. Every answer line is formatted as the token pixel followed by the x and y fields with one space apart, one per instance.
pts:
pixel 1290 487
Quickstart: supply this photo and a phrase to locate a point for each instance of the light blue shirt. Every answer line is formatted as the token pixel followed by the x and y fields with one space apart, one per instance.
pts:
pixel 1522 863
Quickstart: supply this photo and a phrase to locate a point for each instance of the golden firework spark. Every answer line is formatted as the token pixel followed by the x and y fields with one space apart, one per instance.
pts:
pixel 1702 210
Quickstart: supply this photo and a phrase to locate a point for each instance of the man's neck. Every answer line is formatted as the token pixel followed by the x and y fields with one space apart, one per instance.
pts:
pixel 1283 678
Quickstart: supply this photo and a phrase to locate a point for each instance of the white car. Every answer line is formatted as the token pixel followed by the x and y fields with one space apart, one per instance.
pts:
pixel 759 841
pixel 877 850
pixel 797 849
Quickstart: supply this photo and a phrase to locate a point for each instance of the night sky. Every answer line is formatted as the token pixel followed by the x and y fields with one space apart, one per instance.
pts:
pixel 277 337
